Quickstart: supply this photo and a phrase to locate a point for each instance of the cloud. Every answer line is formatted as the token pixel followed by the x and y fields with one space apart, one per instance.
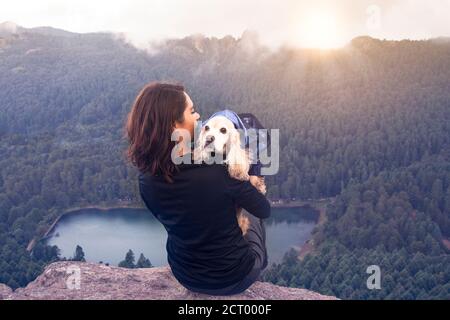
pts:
pixel 416 19
pixel 276 21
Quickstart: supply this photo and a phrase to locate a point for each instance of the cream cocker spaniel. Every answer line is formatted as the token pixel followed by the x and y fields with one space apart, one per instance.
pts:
pixel 219 138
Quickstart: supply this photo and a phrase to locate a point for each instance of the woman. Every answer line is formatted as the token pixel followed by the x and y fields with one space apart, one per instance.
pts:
pixel 196 203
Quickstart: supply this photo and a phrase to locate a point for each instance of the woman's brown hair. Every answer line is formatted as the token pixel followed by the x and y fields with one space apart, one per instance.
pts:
pixel 149 127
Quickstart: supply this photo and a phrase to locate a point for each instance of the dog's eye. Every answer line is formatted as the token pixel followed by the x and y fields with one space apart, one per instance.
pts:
pixel 206 128
pixel 223 130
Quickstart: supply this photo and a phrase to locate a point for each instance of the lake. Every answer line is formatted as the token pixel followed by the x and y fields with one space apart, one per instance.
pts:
pixel 106 235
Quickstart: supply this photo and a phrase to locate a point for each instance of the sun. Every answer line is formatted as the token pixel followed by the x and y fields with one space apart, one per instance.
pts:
pixel 318 29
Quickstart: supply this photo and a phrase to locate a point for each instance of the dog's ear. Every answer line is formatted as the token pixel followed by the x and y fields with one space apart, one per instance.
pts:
pixel 237 158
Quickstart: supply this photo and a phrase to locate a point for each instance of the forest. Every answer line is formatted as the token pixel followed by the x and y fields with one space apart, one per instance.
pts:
pixel 368 124
pixel 396 220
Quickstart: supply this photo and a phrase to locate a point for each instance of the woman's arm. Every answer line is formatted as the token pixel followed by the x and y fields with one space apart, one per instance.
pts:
pixel 248 197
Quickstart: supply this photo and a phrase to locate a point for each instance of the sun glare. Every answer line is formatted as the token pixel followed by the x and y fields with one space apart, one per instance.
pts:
pixel 319 30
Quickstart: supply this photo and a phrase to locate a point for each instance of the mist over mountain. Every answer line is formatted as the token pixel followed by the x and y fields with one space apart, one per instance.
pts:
pixel 368 124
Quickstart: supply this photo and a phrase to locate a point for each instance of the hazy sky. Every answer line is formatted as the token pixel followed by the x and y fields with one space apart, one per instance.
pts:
pixel 318 23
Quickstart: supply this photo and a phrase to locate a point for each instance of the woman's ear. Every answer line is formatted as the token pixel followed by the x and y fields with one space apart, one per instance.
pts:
pixel 237 158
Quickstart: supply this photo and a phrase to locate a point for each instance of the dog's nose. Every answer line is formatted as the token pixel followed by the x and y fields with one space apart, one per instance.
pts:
pixel 209 140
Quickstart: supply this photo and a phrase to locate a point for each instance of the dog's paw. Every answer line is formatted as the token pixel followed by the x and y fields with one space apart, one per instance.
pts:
pixel 238 172
pixel 244 223
pixel 258 183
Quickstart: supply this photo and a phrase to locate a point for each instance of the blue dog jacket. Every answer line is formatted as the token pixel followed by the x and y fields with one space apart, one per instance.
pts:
pixel 255 168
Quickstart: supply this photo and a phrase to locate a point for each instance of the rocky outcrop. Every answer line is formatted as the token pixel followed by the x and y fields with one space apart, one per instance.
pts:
pixel 5 291
pixel 78 280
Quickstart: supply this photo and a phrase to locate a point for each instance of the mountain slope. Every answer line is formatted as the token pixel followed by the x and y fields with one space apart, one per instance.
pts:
pixel 350 120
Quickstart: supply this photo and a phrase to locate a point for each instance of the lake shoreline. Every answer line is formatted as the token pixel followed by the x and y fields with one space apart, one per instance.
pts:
pixel 108 235
pixel 315 204
pixel 74 210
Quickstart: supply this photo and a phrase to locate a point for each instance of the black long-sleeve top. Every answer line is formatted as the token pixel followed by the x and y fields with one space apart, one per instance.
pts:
pixel 205 246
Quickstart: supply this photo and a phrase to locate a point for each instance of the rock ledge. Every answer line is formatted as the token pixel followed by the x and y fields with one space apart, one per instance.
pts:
pixel 81 280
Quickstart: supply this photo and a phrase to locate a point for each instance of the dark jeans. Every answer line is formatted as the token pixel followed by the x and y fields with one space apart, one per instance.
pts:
pixel 256 237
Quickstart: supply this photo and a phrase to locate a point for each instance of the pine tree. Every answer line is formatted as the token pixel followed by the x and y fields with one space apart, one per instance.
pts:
pixel 143 262
pixel 437 192
pixel 79 254
pixel 129 260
